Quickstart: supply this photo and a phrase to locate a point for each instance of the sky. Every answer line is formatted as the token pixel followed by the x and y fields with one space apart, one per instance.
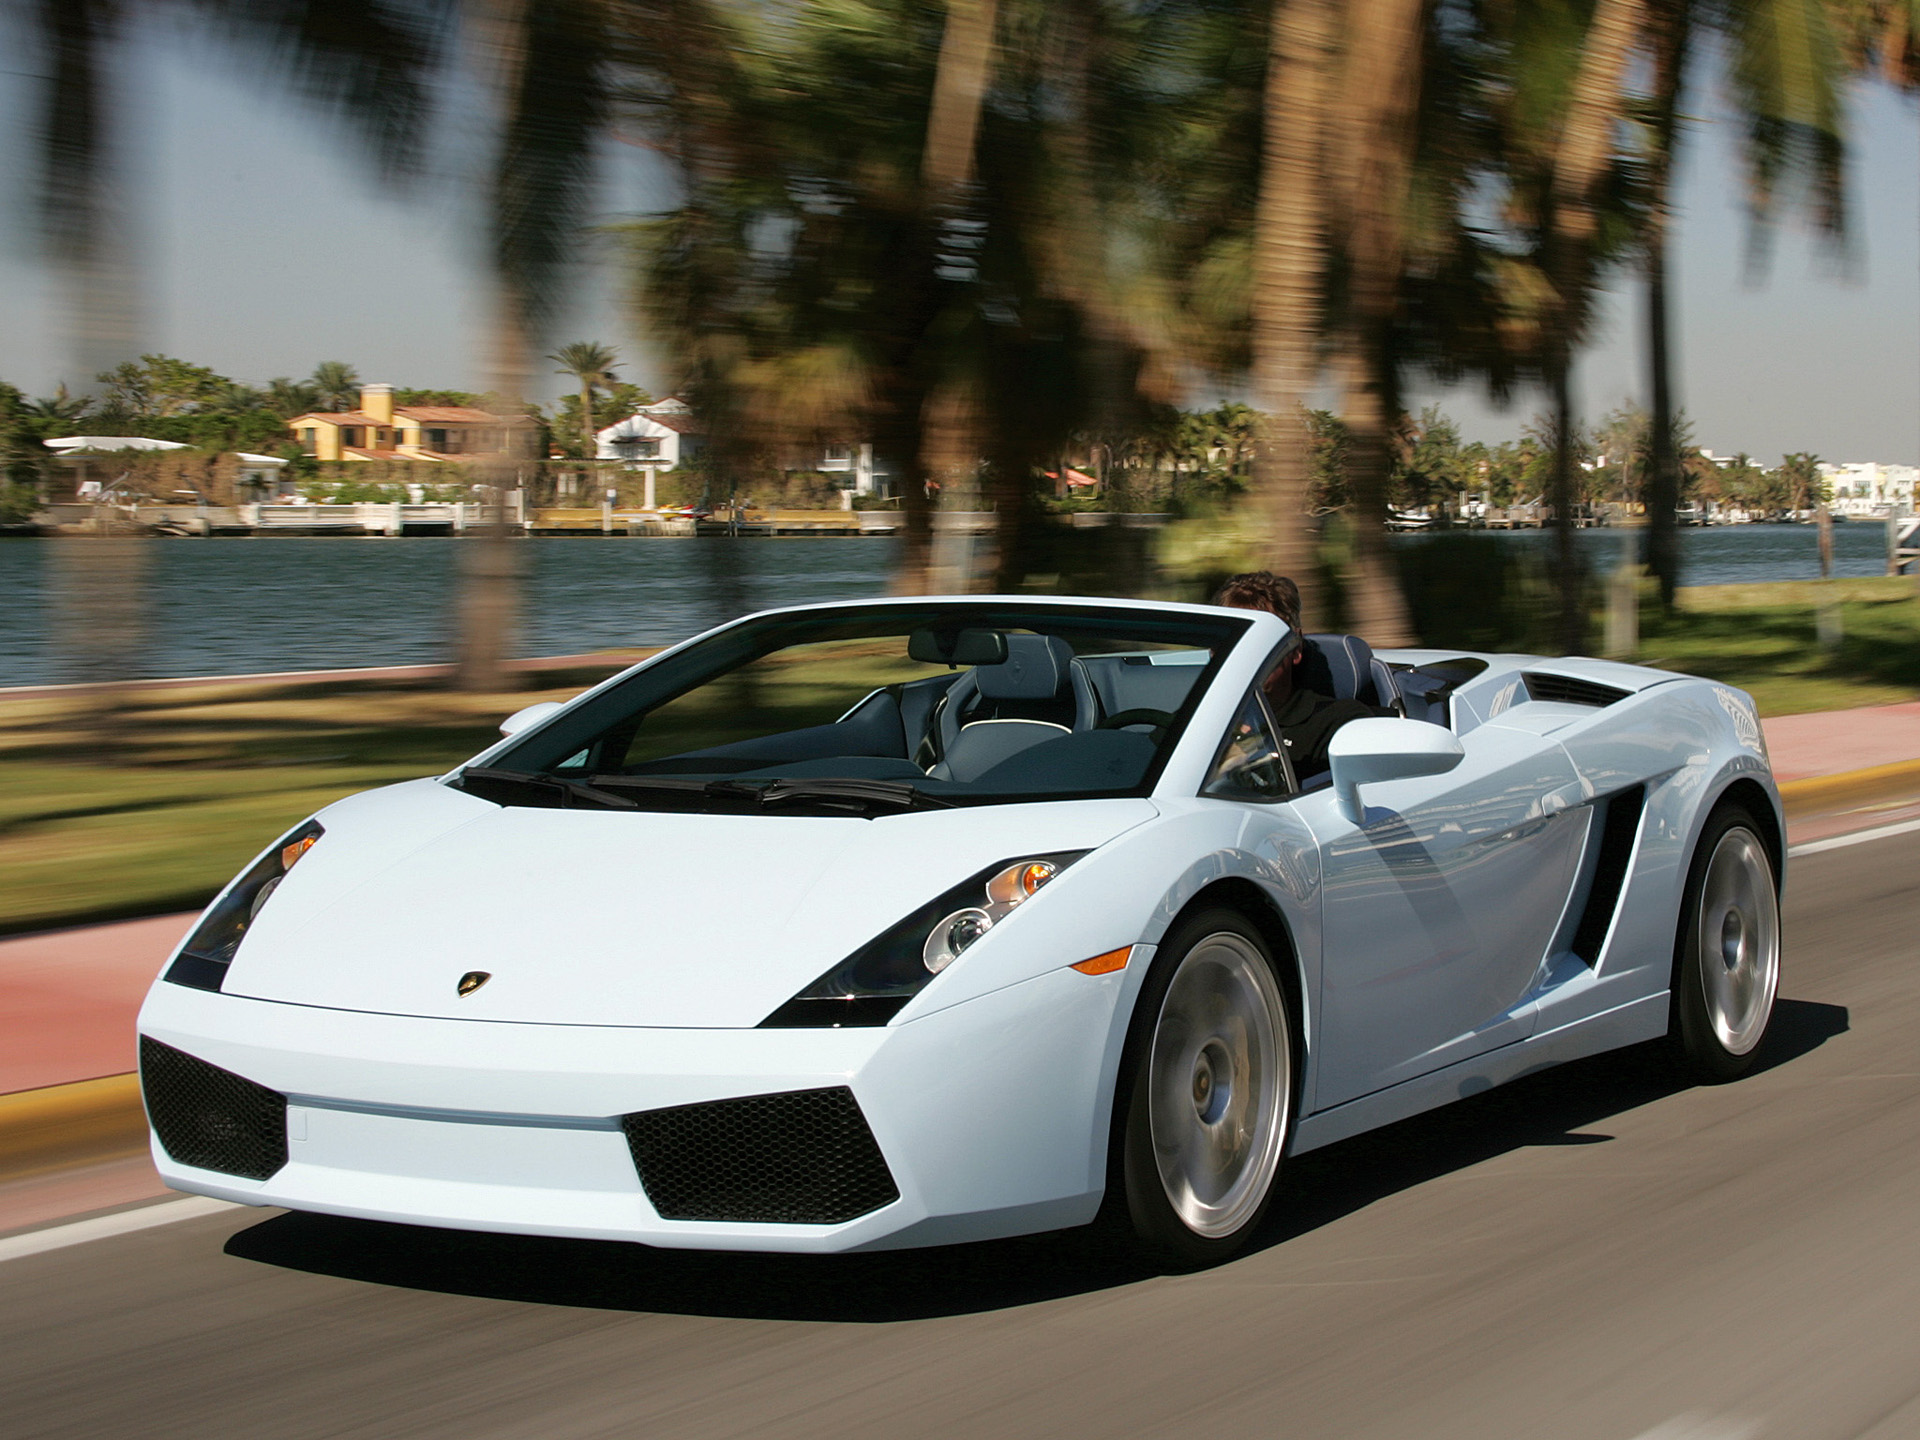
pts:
pixel 269 247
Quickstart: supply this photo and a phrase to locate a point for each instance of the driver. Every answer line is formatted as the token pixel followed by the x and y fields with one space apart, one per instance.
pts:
pixel 1306 718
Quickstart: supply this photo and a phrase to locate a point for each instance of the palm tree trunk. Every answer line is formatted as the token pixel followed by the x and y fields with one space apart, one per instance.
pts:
pixel 1570 633
pixel 587 446
pixel 953 123
pixel 1669 23
pixel 1381 90
pixel 1289 272
pixel 1579 164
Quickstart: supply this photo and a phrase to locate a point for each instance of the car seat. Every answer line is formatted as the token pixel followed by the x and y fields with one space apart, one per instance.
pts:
pixel 1037 681
pixel 1344 667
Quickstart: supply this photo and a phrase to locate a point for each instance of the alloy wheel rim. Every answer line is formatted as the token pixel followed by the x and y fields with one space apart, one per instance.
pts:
pixel 1220 1079
pixel 1739 941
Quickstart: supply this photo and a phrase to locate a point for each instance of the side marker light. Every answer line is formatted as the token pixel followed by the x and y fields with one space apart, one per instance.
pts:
pixel 1106 964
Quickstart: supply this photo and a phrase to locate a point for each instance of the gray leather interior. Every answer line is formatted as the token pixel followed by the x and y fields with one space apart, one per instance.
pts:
pixel 985 743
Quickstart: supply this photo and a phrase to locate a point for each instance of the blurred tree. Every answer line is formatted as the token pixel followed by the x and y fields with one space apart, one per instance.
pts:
pixel 288 398
pixel 336 384
pixel 591 363
pixel 1621 449
pixel 1785 64
pixel 1289 258
pixel 1801 482
pixel 61 408
pixel 621 401
pixel 1570 201
pixel 160 385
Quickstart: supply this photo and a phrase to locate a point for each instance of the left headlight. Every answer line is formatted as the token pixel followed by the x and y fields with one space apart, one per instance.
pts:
pixel 874 983
pixel 203 960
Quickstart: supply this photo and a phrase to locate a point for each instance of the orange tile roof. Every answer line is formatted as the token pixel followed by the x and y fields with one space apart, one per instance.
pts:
pixel 338 417
pixel 455 415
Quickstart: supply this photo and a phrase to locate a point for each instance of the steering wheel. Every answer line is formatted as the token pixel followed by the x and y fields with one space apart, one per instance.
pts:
pixel 1160 720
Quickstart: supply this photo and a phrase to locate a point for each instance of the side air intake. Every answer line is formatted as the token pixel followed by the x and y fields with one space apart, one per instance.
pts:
pixel 804 1157
pixel 211 1118
pixel 1618 827
pixel 1569 691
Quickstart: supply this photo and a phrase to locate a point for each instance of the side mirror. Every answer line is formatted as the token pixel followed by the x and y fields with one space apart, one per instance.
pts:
pixel 532 715
pixel 1365 751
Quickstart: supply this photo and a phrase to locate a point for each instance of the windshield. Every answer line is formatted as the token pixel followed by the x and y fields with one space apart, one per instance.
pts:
pixel 871 710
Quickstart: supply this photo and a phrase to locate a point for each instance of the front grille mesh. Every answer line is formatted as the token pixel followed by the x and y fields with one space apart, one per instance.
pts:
pixel 805 1157
pixel 211 1118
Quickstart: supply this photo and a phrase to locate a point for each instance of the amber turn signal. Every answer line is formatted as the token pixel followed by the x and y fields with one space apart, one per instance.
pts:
pixel 294 851
pixel 1106 964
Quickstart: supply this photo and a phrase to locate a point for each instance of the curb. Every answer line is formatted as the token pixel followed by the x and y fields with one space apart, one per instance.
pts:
pixel 82 1123
pixel 1823 792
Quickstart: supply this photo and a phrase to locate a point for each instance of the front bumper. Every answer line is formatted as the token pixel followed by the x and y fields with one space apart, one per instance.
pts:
pixel 991 1115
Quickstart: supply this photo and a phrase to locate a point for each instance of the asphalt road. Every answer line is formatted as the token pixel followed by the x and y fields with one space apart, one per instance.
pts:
pixel 1593 1252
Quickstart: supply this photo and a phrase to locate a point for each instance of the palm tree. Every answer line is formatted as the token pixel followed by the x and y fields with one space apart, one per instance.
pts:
pixel 1370 163
pixel 59 406
pixel 336 385
pixel 592 364
pixel 1563 179
pixel 288 398
pixel 1289 264
pixel 369 72
pixel 1786 76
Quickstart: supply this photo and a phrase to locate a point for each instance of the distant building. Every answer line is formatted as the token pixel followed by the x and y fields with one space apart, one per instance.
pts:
pixel 381 430
pixel 660 436
pixel 664 435
pixel 1871 489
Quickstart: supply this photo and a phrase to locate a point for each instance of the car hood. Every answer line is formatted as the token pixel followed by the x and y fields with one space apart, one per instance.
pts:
pixel 589 917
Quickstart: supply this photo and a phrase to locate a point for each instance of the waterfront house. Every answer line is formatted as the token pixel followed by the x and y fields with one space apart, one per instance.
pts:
pixel 381 430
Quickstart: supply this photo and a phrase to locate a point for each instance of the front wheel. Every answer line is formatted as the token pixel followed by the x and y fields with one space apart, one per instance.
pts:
pixel 1206 1100
pixel 1726 968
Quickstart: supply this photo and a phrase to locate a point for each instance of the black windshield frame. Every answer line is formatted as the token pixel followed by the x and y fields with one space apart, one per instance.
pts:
pixel 547 747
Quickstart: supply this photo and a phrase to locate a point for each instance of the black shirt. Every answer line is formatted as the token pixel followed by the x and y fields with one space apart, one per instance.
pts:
pixel 1307 722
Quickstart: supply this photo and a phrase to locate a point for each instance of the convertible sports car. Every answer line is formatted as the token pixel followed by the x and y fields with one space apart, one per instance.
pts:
pixel 917 921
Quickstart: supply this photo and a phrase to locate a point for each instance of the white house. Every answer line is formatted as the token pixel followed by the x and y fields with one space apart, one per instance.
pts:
pixel 1870 489
pixel 664 435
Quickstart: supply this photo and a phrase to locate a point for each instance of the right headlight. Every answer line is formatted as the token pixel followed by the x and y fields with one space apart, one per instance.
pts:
pixel 872 985
pixel 202 962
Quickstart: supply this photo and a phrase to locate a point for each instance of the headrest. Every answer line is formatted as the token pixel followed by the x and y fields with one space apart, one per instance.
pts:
pixel 1035 668
pixel 1340 666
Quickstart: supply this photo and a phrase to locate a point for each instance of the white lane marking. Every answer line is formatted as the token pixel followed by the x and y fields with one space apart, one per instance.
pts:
pixel 58 1237
pixel 1859 837
pixel 1700 1427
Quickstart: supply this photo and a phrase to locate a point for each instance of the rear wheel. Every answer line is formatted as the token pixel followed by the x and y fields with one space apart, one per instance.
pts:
pixel 1726 968
pixel 1206 1100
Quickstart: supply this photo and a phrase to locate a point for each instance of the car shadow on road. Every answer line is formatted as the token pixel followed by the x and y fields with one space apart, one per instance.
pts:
pixel 1555 1107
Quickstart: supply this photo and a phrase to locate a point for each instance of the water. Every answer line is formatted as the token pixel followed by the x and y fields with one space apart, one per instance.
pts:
pixel 235 606
pixel 241 606
pixel 1728 554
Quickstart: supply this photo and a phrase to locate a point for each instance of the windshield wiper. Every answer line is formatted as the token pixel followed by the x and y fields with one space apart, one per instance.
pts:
pixel 547 791
pixel 605 791
pixel 828 789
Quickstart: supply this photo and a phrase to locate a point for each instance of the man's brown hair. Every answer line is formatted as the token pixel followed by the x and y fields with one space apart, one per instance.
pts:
pixel 1262 590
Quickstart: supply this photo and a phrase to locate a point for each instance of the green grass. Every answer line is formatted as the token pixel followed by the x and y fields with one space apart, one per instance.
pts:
pixel 154 807
pixel 1764 639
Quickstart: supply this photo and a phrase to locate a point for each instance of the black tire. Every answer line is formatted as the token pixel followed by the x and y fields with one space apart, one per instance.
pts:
pixel 1210 1050
pixel 1726 957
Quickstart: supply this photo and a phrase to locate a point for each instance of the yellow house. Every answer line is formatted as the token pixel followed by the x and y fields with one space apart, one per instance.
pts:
pixel 381 430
